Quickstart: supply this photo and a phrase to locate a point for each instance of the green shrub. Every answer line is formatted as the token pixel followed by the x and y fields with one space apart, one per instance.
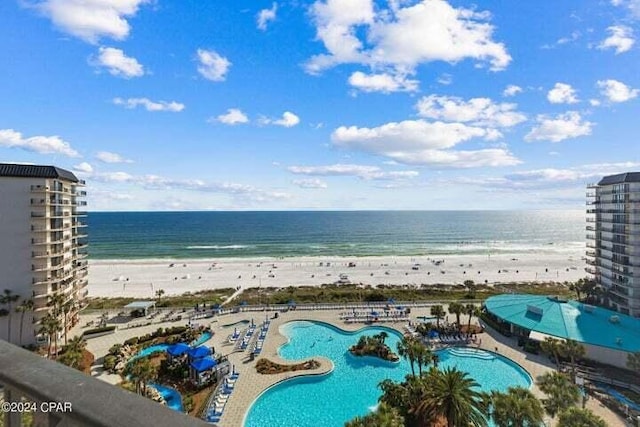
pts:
pixel 131 341
pixel 109 363
pixel 115 349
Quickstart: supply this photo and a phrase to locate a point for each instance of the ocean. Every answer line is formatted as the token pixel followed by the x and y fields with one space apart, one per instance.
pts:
pixel 127 235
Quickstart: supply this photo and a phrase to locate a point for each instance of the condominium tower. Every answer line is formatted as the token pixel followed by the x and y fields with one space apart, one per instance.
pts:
pixel 42 249
pixel 613 239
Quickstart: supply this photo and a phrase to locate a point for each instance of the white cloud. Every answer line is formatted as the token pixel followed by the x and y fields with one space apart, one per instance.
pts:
pixel 212 66
pixel 310 183
pixel 445 79
pixel 91 20
pixel 477 111
pixel 620 38
pixel 38 144
pixel 632 5
pixel 616 91
pixel 424 143
pixel 556 129
pixel 395 37
pixel 232 117
pixel 594 102
pixel 266 15
pixel 156 182
pixel 562 93
pixel 383 82
pixel 511 90
pixel 288 120
pixel 83 167
pixel 149 105
pixel 117 63
pixel 361 171
pixel 109 157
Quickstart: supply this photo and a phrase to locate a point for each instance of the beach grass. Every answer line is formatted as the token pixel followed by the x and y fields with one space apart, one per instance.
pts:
pixel 356 293
pixel 188 299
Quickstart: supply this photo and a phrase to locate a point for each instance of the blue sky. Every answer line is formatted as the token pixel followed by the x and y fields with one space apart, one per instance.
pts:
pixel 332 104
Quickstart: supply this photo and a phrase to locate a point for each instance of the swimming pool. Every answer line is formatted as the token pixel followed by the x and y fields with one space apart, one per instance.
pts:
pixel 206 336
pixel 148 351
pixel 171 396
pixel 351 389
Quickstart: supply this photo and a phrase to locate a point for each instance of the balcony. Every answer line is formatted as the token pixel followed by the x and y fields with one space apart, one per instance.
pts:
pixel 89 402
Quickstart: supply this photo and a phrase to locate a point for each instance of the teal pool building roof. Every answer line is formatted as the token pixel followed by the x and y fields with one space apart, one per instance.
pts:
pixel 568 319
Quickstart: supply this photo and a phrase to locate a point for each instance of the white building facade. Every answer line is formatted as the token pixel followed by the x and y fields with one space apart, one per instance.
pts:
pixel 613 239
pixel 43 245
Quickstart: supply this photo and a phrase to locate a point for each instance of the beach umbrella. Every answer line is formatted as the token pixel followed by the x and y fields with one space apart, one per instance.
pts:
pixel 178 349
pixel 433 334
pixel 292 303
pixel 243 303
pixel 391 301
pixel 199 352
pixel 203 364
pixel 374 313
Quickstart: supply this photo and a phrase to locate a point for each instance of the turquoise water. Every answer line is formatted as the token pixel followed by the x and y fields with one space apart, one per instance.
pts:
pixel 206 336
pixel 118 235
pixel 352 388
pixel 149 350
pixel 171 396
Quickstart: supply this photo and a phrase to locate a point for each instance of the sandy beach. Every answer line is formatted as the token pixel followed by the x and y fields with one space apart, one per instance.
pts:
pixel 142 278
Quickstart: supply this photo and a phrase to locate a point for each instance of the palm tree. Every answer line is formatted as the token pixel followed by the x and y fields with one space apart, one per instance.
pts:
pixel 451 395
pixel 74 352
pixel 22 308
pixel 561 391
pixel 518 407
pixel 160 293
pixel 4 312
pixel 422 354
pixel 471 310
pixel 573 417
pixel 551 346
pixel 457 309
pixel 383 336
pixel 439 313
pixel 573 350
pixel 50 325
pixel 9 298
pixel 141 372
pixel 406 350
pixel 55 301
pixel 384 416
pixel 66 309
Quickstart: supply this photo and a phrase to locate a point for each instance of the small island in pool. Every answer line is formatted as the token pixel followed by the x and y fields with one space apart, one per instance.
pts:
pixel 266 366
pixel 374 346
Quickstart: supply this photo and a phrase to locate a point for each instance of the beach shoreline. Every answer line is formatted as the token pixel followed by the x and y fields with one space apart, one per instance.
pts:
pixel 141 278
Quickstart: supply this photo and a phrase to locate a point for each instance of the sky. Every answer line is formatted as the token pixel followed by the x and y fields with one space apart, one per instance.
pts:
pixel 327 104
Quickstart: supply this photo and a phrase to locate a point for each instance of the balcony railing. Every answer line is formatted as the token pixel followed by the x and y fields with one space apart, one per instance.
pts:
pixel 89 402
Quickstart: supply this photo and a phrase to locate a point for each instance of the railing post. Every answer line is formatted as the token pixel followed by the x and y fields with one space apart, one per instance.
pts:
pixel 12 418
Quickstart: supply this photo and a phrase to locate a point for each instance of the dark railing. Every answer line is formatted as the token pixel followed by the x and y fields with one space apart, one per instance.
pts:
pixel 61 396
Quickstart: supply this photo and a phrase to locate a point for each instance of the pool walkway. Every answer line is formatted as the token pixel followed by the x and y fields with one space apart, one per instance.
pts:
pixel 251 384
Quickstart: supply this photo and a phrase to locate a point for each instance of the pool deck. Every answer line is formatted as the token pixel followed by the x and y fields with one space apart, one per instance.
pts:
pixel 250 384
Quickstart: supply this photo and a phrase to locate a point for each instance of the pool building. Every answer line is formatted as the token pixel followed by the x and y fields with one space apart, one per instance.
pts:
pixel 608 336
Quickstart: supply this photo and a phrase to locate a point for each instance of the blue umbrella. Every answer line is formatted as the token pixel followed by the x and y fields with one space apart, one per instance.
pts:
pixel 243 303
pixel 391 301
pixel 433 334
pixel 292 302
pixel 204 364
pixel 374 313
pixel 199 352
pixel 178 349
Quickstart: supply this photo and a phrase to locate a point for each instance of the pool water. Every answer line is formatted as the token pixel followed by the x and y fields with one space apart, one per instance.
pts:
pixel 351 389
pixel 206 336
pixel 148 351
pixel 171 396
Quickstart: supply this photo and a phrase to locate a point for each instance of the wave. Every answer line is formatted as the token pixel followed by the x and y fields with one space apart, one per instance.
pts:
pixel 218 247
